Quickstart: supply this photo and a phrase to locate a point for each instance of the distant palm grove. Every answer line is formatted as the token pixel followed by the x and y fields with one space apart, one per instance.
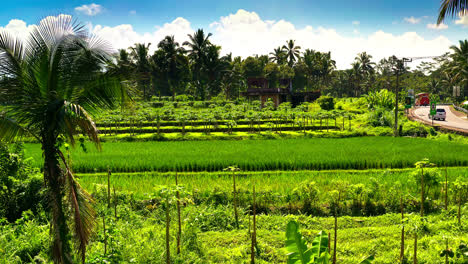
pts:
pixel 196 68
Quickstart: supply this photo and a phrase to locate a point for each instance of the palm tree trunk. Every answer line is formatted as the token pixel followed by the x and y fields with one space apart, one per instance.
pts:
pixel 53 176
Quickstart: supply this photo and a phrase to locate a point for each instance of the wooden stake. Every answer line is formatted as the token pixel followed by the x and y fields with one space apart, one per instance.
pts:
pixel 236 217
pixel 334 240
pixel 422 192
pixel 402 244
pixel 415 257
pixel 179 230
pixel 446 189
pixel 108 188
pixel 105 236
pixel 115 203
pixel 254 233
pixel 168 250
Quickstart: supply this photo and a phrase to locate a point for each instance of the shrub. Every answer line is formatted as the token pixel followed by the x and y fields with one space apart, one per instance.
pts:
pixel 21 186
pixel 326 102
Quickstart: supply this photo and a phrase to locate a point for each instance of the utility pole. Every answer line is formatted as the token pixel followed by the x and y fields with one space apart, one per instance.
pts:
pixel 399 69
pixel 397 97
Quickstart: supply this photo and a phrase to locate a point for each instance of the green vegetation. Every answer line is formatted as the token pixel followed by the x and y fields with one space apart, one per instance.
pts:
pixel 291 154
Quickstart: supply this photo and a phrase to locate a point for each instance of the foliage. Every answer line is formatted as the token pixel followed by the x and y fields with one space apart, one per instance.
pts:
pixel 299 252
pixel 380 99
pixel 326 102
pixel 21 186
pixel 345 153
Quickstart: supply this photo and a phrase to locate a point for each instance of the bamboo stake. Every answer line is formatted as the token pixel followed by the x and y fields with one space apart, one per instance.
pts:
pixel 254 233
pixel 115 203
pixel 236 217
pixel 105 236
pixel 168 250
pixel 108 188
pixel 446 190
pixel 402 245
pixel 179 231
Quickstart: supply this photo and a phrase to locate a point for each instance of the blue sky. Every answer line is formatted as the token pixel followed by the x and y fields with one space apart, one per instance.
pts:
pixel 353 21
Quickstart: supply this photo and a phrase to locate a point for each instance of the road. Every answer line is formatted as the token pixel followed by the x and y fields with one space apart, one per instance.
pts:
pixel 452 120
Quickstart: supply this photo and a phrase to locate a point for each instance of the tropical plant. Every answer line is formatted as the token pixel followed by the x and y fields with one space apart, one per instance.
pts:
pixel 452 8
pixel 142 67
pixel 292 51
pixel 300 253
pixel 197 49
pixel 50 85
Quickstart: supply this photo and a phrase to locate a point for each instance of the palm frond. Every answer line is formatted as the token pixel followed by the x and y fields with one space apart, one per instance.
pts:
pixel 11 130
pixel 75 116
pixel 452 8
pixel 83 212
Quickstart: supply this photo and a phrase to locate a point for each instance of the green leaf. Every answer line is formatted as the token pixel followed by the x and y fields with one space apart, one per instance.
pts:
pixel 368 260
pixel 319 245
pixel 296 245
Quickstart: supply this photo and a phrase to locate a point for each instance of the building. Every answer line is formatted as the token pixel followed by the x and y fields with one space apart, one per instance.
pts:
pixel 259 89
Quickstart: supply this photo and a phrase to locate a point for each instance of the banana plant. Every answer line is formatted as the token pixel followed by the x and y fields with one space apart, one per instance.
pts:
pixel 300 253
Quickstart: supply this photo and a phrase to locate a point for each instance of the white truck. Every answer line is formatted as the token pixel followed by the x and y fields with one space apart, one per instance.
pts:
pixel 440 114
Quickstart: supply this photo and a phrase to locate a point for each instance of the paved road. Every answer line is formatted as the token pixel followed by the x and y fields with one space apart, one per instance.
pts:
pixel 452 120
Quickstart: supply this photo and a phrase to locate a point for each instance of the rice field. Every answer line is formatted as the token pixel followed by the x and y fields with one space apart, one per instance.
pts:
pixel 142 184
pixel 260 155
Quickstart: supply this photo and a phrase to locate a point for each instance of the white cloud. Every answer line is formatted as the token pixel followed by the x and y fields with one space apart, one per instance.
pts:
pixel 462 19
pixel 89 10
pixel 356 23
pixel 245 33
pixel 124 36
pixel 17 28
pixel 442 26
pixel 412 20
pixel 132 12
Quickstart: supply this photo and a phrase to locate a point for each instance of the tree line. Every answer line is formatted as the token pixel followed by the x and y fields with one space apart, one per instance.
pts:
pixel 197 68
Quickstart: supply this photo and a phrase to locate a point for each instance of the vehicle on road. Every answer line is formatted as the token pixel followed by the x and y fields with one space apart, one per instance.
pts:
pixel 440 114
pixel 422 99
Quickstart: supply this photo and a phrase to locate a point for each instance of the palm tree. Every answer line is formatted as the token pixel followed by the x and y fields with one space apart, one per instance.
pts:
pixel 50 85
pixel 292 51
pixel 366 66
pixel 198 43
pixel 139 54
pixel 459 65
pixel 452 8
pixel 356 76
pixel 173 60
pixel 278 55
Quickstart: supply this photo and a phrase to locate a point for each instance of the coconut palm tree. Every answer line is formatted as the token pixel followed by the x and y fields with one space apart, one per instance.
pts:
pixel 292 51
pixel 367 68
pixel 459 65
pixel 197 49
pixel 278 55
pixel 175 63
pixel 142 67
pixel 50 85
pixel 452 8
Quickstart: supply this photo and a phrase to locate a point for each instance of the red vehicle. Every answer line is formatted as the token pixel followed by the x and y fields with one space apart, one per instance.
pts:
pixel 422 99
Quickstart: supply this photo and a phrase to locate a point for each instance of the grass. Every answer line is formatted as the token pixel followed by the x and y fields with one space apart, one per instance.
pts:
pixel 259 155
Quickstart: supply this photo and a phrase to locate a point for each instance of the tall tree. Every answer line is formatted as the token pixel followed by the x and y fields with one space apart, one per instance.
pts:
pixel 459 65
pixel 50 85
pixel 197 49
pixel 367 68
pixel 173 64
pixel 278 55
pixel 139 54
pixel 292 51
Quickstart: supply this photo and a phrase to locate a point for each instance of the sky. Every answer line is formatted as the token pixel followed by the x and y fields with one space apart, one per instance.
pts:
pixel 245 27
